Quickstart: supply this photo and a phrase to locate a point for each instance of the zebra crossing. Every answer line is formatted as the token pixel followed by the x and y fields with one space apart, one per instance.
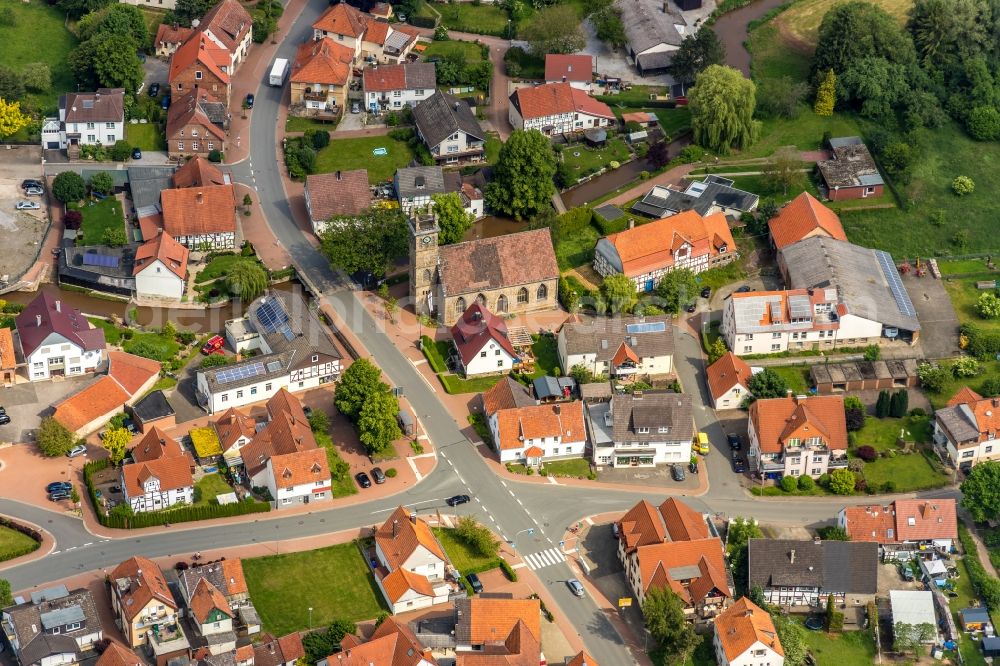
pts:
pixel 545 558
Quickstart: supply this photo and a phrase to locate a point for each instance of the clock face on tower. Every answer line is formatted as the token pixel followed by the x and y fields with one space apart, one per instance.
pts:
pixel 426 240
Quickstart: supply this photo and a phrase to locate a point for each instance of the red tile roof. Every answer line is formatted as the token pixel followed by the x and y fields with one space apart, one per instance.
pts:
pixel 117 654
pixel 569 67
pixel 232 425
pixel 582 659
pixel 173 473
pixel 965 396
pixel 925 519
pixel 205 599
pixel 342 19
pixel 518 425
pixel 286 434
pixel 376 32
pixel 385 78
pixel 729 371
pixel 400 581
pixel 651 246
pixel 391 644
pixel 165 249
pixel 228 22
pixel 338 193
pixel 673 520
pixel 199 50
pixel 778 419
pixel 744 624
pixel 8 359
pixel 301 467
pixel 101 398
pixel 399 537
pixel 506 394
pixel 172 34
pixel 802 217
pixel 144 582
pixel 156 444
pixel 198 172
pixel 131 371
pixel 672 565
pixel 490 620
pixel 272 651
pixel 552 99
pixel 323 61
pixel 475 329
pixel 197 211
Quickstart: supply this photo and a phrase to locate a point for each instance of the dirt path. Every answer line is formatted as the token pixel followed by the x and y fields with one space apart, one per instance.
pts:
pixel 981 549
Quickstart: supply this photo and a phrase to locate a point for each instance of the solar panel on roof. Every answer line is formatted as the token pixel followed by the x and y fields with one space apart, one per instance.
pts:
pixel 647 327
pixel 286 331
pixel 895 284
pixel 273 366
pixel 97 259
pixel 239 372
pixel 271 315
pixel 798 306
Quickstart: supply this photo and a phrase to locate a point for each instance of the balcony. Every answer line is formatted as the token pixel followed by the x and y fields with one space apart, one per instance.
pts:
pixel 315 96
pixel 166 638
pixel 837 463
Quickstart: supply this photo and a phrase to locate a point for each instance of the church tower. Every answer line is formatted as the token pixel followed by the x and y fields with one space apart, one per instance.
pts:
pixel 423 262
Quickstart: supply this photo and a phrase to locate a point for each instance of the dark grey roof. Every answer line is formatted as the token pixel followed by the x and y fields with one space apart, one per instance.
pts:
pixel 213 574
pixel 441 115
pixel 647 24
pixel 648 337
pixel 959 422
pixel 867 280
pixel 553 387
pixel 852 165
pixel 53 608
pixel 830 566
pixel 609 212
pixel 655 60
pixel 153 406
pixel 47 645
pixel 596 391
pixel 700 196
pixel 146 183
pixel 419 181
pixel 652 410
pixel 420 75
pixel 975 614
pixel 118 176
pixel 216 112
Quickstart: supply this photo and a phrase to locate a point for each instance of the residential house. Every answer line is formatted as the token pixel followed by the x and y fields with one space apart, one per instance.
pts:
pixel 764 322
pixel 653 33
pixel 673 546
pixel 449 129
pixel 867 283
pixel 225 576
pixel 321 75
pixel 411 563
pixel 536 434
pixel 141 600
pixel 619 347
pixel 714 194
pixel 966 429
pixel 292 350
pixel 641 429
pixel 284 651
pixel 914 608
pixel 160 475
pixel 469 192
pixel 343 23
pixel 169 38
pixel 416 185
pixel 8 357
pixel 212 618
pixel 160 268
pixel 284 458
pixel 388 43
pixel 744 635
pixel 201 217
pixel 392 644
pixel 196 124
pixel 234 430
pixel 199 172
pixel 798 436
pixel 382 10
pixel 498 630
pixel 57 340
pixel 369 37
pixel 390 87
pixel 905 528
pixel 201 64
pixel 86 119
pixel 557 108
pixel 508 393
pixel 481 343
pixel 804 217
pixel 510 274
pixel 805 573
pixel 57 626
pixel 339 194
pixel 128 378
pixel 648 252
pixel 117 654
pixel 576 69
pixel 728 380
pixel 229 26
pixel 581 659
pixel 851 173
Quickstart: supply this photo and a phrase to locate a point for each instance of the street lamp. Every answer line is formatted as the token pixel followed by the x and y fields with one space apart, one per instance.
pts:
pixel 310 617
pixel 511 542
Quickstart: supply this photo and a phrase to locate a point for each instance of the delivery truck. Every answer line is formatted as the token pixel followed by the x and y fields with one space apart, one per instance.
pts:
pixel 278 72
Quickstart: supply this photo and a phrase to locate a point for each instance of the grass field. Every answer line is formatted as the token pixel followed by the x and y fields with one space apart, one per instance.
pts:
pixel 467 17
pixel 343 486
pixel 293 124
pixel 851 647
pixel 39 35
pixel 102 215
pixel 801 21
pixel 578 249
pixel 908 471
pixel 968 646
pixel 208 488
pixel 584 160
pixel 346 154
pixel 145 137
pixel 883 433
pixel 577 468
pixel 796 377
pixel 465 559
pixel 532 67
pixel 962 266
pixel 14 544
pixel 671 120
pixel 218 267
pixel 471 52
pixel 964 294
pixel 335 582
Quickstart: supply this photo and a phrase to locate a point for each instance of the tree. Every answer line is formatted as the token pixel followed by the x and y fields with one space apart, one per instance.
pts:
pixel 319 421
pixel 523 175
pixel 932 377
pixel 377 424
pixel 900 404
pixel 116 441
pixel 608 26
pixel 738 536
pixel 990 389
pixel 658 155
pixel 115 63
pixel 391 306
pixel 102 182
pixel 359 381
pixel 696 53
pixel 876 86
pixel 321 643
pixel 883 404
pixel 981 491
pixel 963 185
pixel 717 350
pixel 855 418
pixel 11 85
pixel 478 536
pixel 555 29
pixel 667 623
pixel 619 293
pixel 826 95
pixel 912 637
pixel 966 366
pixel 983 123
pixel 247 279
pixel 77 8
pixel 782 172
pixel 12 120
pixel 947 32
pixel 842 481
pixel 186 10
pixel 792 636
pixel 806 483
pixel 452 218
pixel 677 289
pixel 37 76
pixel 789 484
pixel 722 103
pixel 120 151
pixel 117 18
pixel 767 384
pixel 368 243
pixel 833 533
pixel 53 438
pixel 214 361
pixel 780 97
pixel 114 237
pixel 853 31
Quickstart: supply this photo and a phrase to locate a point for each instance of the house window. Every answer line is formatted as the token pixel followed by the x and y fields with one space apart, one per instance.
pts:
pixel 747 349
pixel 91 138
pixel 500 363
pixel 286 500
pixel 397 93
pixel 482 354
pixel 253 390
pixel 225 397
pixel 816 471
pixel 267 386
pixel 662 429
pixel 776 347
pixel 111 138
pixel 109 125
pixel 542 293
pixel 460 304
pixel 522 295
pixel 968 454
pixel 91 126
pixel 38 364
pixel 496 353
pixel 211 146
pixel 989 449
pixel 216 625
pixel 180 145
pixel 180 86
pixel 775 335
pixel 642 431
pixel 419 92
pixel 502 303
pixel 197 75
pixel 749 336
pixel 239 394
pixel 194 145
pixel 452 149
pixel 315 358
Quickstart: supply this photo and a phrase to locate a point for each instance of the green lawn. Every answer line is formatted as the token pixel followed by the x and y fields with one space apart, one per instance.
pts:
pixel 467 17
pixel 671 120
pixel 161 347
pixel 464 558
pixel 208 488
pixel 757 185
pixel 584 160
pixel 964 294
pixel 578 249
pixel 576 468
pixel 102 215
pixel 953 384
pixel 356 153
pixel 883 433
pixel 344 484
pixel 335 582
pixel 546 355
pixel 966 596
pixel 796 377
pixel 850 647
pixel 293 124
pixel 145 137
pixel 909 472
pixel 112 335
pixel 218 267
pixel 14 544
pixel 39 35
pixel 962 266
pixel 472 52
pixel 493 145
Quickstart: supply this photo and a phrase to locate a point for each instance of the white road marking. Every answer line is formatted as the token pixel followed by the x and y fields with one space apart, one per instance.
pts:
pixel 89 544
pixel 589 521
pixel 511 492
pixel 420 362
pixel 518 500
pixel 416 472
pixel 519 565
pixel 410 504
pixel 545 558
pixel 552 480
pixel 503 483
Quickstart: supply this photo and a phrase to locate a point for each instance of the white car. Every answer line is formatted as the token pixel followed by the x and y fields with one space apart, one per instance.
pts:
pixel 28 205
pixel 78 450
pixel 33 191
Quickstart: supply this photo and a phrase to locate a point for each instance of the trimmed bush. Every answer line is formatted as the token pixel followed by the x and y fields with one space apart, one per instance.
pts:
pixel 508 571
pixel 789 484
pixel 867 453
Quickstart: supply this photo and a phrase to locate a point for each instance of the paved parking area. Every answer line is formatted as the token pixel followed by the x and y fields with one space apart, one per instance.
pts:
pixel 938 322
pixel 658 476
pixel 600 548
pixel 27 403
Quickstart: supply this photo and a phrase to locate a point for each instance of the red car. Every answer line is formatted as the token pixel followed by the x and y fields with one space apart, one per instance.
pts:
pixel 214 346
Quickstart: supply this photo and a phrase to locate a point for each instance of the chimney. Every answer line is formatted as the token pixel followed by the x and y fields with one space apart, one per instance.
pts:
pixel 38 320
pixel 200 198
pixel 558 410
pixel 817 541
pixel 338 175
pixel 564 79
pixel 631 223
pixel 58 306
pixel 413 517
pixel 395 528
pixel 791 556
pixel 789 392
pixel 996 402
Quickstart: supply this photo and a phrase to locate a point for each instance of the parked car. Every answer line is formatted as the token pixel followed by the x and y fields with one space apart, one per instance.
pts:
pixel 249 100
pixel 701 444
pixel 27 205
pixel 58 496
pixel 355 108
pixel 474 582
pixel 738 466
pixel 677 473
pixel 77 450
pixel 734 441
pixel 576 587
pixel 693 467
pixel 34 191
pixel 4 419
pixel 154 89
pixel 691 307
pixel 455 500
pixel 378 475
pixel 706 292
pixel 744 289
pixel 165 102
pixel 363 480
pixel 31 182
pixel 58 485
pixel 615 529
pixel 214 345
pixel 136 154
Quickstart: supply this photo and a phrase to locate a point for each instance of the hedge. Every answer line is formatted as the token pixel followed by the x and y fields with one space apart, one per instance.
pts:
pixel 985 585
pixel 508 570
pixel 610 226
pixel 181 514
pixel 422 21
pixel 29 532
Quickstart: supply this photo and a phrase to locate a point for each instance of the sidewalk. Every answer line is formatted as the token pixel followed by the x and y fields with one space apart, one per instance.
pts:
pixel 256 230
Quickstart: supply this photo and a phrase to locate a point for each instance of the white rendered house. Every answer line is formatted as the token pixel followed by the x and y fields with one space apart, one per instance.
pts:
pixel 57 340
pixel 86 119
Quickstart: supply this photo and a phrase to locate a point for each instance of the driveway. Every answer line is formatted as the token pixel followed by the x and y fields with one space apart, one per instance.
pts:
pixel 938 322
pixel 155 72
pixel 27 403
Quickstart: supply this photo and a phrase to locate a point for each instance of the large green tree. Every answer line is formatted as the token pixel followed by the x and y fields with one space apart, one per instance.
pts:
pixel 667 623
pixel 117 18
pixel 555 29
pixel 948 32
pixel 361 380
pixel 876 86
pixel 69 187
pixel 247 279
pixel 793 638
pixel 722 103
pixel 619 294
pixel 608 26
pixel 741 530
pixel 695 54
pixel 187 10
pixel 523 176
pixel 377 422
pixel 116 441
pixel 107 60
pixel 767 384
pixel 369 242
pixel 321 643
pixel 452 217
pixel 853 31
pixel 676 289
pixel 53 438
pixel 77 8
pixel 981 491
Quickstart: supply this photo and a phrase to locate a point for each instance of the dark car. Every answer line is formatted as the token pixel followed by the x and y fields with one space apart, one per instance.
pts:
pixel 474 582
pixel 693 467
pixel 691 307
pixel 249 100
pixel 457 499
pixel 59 495
pixel 738 465
pixel 56 486
pixel 734 441
pixel 706 292
pixel 363 480
pixel 378 475
pixel 31 182
pixel 165 102
pixel 4 419
pixel 744 289
pixel 136 154
pixel 677 473
pixel 307 410
pixel 154 90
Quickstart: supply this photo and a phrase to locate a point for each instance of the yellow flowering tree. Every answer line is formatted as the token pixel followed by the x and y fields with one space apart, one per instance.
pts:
pixel 12 119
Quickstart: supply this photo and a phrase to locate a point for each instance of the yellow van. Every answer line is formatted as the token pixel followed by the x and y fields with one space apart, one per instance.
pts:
pixel 701 445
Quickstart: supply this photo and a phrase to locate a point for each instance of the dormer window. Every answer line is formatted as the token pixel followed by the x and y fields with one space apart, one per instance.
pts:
pixel 663 429
pixel 642 431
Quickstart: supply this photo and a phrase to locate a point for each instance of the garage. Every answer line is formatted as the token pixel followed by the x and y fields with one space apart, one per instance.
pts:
pixel 52 145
